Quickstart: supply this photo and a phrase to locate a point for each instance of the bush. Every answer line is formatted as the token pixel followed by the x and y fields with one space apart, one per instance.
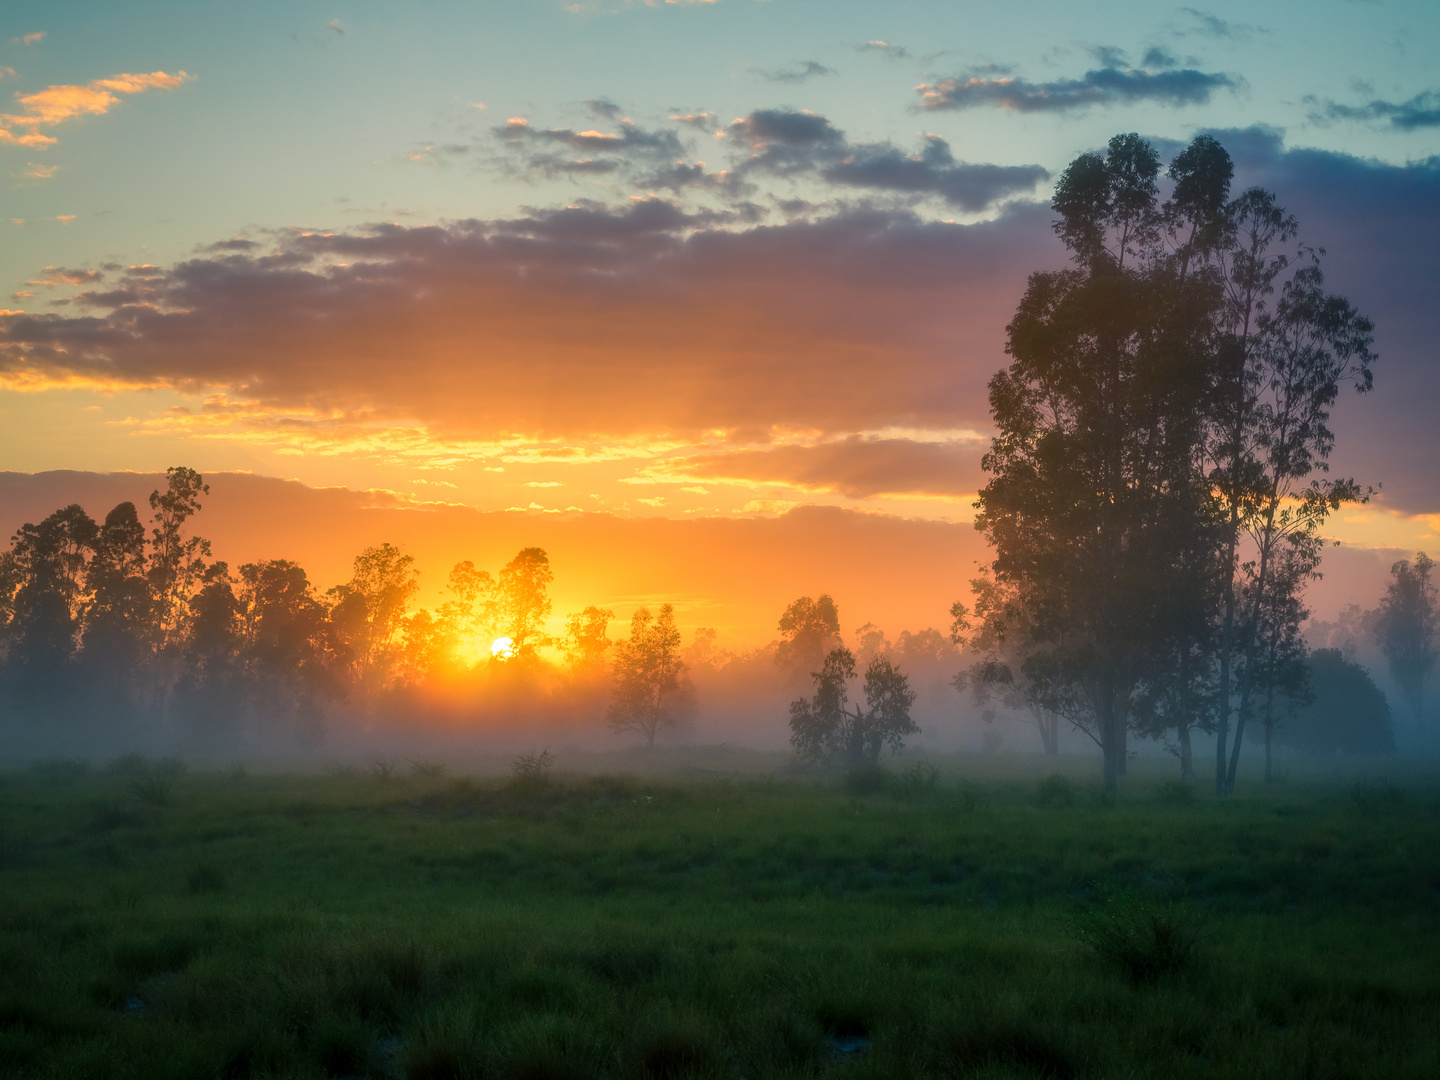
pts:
pixel 532 770
pixel 154 788
pixel 1146 939
pixel 920 779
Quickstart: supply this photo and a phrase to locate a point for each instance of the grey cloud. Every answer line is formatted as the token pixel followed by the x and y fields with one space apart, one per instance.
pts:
pixel 934 171
pixel 1104 86
pixel 602 107
pixel 885 48
pixel 1157 56
pixel 542 150
pixel 788 143
pixel 798 72
pixel 1421 111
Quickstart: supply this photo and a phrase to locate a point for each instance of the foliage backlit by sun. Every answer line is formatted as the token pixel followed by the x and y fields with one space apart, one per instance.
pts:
pixel 502 648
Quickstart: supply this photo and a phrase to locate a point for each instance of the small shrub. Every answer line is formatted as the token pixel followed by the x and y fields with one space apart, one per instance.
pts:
pixel 427 770
pixel 532 769
pixel 382 769
pixel 1055 790
pixel 865 780
pixel 154 788
pixel 1146 939
pixel 920 779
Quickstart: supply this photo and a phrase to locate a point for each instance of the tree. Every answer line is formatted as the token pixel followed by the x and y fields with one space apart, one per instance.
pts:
pixel 1406 629
pixel 1281 672
pixel 522 601
pixel 1099 416
pixel 1347 713
pixel 468 617
pixel 809 629
pixel 177 561
pixel 822 728
pixel 118 625
pixel 369 612
pixel 45 570
pixel 586 640
pixel 650 690
pixel 283 634
pixel 1004 639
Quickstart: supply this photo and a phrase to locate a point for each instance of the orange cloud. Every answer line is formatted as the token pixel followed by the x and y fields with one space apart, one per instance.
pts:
pixel 56 104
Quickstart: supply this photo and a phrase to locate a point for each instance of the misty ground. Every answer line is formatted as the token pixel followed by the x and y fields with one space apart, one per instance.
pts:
pixel 711 913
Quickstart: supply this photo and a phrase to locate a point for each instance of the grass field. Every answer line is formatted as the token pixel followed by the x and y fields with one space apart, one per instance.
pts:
pixel 986 920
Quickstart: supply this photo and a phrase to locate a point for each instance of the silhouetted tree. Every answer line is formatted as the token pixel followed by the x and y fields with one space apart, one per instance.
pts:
pixel 177 561
pixel 650 691
pixel 468 617
pixel 586 640
pixel 1280 658
pixel 368 613
pixel 46 571
pixel 117 640
pixel 283 630
pixel 1347 713
pixel 522 601
pixel 1099 418
pixel 823 727
pixel 1406 629
pixel 809 629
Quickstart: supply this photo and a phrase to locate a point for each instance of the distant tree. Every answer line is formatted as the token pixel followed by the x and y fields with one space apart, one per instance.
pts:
pixel 702 651
pixel 46 571
pixel 368 613
pixel 870 641
pixel 823 727
pixel 177 561
pixel 651 691
pixel 422 646
pixel 586 639
pixel 211 690
pixel 468 617
pixel 117 638
pixel 1002 636
pixel 283 633
pixel 1347 713
pixel 522 600
pixel 1281 669
pixel 809 629
pixel 1406 629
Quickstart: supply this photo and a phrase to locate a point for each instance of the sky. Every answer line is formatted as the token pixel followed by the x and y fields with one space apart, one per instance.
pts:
pixel 651 262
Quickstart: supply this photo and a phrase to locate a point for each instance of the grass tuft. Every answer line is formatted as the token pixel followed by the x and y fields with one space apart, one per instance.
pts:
pixel 1145 938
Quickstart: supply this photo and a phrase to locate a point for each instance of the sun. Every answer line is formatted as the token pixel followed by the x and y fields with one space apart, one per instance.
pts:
pixel 502 648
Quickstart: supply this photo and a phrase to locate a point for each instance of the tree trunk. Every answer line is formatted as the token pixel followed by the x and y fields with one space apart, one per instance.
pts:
pixel 1227 631
pixel 1187 762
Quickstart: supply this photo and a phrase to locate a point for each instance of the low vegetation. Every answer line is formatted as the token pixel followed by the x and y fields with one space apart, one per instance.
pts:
pixel 917 921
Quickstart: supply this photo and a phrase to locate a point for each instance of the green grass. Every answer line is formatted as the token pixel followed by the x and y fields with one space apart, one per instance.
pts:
pixel 421 923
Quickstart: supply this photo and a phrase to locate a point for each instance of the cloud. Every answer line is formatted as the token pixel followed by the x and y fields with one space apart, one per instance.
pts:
pixel 336 27
pixel 7 73
pixel 564 151
pixel 65 219
pixel 884 48
pixel 1421 111
pixel 704 121
pixel 39 172
pixel 798 72
pixel 644 321
pixel 1157 56
pixel 788 142
pixel 603 107
pixel 53 276
pixel 1101 87
pixel 28 39
pixel 56 104
pixel 934 170
pixel 1209 25
pixel 857 467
